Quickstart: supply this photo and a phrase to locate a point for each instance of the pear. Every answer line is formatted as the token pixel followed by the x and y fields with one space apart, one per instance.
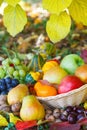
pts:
pixel 16 94
pixel 31 109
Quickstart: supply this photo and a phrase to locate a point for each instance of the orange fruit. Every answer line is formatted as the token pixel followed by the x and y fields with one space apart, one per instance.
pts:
pixel 44 90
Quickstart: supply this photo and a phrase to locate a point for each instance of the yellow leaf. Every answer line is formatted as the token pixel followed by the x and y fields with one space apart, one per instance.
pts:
pixel 78 11
pixel 1 2
pixel 3 121
pixel 56 6
pixel 12 2
pixel 14 19
pixel 58 26
pixel 13 118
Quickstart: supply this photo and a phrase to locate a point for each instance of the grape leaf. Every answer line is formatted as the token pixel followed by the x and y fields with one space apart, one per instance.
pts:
pixel 58 26
pixel 56 6
pixel 14 19
pixel 12 2
pixel 78 11
pixel 1 2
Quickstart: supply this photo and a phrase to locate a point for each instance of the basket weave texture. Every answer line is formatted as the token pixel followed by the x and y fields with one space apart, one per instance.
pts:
pixel 74 97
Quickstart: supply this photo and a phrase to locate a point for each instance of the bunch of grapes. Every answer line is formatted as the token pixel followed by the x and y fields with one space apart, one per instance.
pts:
pixel 13 68
pixel 72 114
pixel 6 84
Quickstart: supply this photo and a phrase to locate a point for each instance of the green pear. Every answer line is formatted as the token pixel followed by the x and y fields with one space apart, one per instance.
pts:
pixel 31 109
pixel 16 94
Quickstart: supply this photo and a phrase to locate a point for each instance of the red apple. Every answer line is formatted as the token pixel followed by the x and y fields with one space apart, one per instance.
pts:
pixel 81 72
pixel 69 83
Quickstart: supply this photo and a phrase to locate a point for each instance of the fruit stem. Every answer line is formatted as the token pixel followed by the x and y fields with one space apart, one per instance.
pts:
pixel 40 122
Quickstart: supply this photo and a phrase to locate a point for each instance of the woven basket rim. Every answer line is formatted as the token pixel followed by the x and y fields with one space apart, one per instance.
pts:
pixel 64 94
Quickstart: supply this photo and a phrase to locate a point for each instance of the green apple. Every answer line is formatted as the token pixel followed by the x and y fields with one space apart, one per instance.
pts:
pixel 71 62
pixel 55 75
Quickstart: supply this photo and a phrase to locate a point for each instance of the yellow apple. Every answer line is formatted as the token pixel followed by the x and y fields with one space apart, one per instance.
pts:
pixel 55 75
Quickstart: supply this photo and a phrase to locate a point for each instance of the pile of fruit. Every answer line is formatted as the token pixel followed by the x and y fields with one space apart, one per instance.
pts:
pixel 21 85
pixel 61 77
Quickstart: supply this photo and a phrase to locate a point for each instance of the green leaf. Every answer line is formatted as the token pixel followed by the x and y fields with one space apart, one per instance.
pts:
pixel 56 6
pixel 12 2
pixel 58 26
pixel 1 2
pixel 14 19
pixel 78 11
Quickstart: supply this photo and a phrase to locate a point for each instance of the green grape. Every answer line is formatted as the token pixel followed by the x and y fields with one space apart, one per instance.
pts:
pixel 15 73
pixel 8 75
pixel 17 77
pixel 2 73
pixel 18 67
pixel 22 80
pixel 22 73
pixel 24 67
pixel 5 67
pixel 10 70
pixel 16 61
pixel 1 67
pixel 6 62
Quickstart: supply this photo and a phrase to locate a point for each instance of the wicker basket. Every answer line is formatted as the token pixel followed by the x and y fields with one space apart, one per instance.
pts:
pixel 74 97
